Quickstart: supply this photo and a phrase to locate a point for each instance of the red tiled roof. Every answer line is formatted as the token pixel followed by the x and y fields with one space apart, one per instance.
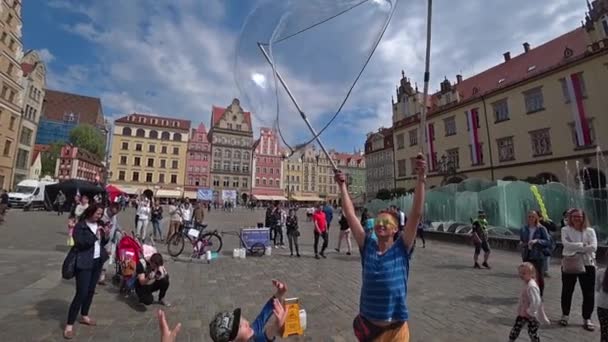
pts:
pixel 218 112
pixel 154 121
pixel 58 104
pixel 540 59
pixel 27 68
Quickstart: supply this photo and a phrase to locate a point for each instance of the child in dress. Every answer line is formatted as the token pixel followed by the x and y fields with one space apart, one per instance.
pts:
pixel 530 309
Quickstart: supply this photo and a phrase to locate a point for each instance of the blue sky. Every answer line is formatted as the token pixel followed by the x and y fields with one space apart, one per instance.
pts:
pixel 176 58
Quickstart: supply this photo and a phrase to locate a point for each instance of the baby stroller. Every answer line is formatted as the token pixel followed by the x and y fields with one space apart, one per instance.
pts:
pixel 128 253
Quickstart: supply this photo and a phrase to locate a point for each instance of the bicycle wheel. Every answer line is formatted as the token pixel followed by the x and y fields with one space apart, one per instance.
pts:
pixel 175 244
pixel 258 249
pixel 212 242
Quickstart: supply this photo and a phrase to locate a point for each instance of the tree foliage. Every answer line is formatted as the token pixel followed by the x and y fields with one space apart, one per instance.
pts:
pixel 88 138
pixel 384 194
pixel 49 159
pixel 398 192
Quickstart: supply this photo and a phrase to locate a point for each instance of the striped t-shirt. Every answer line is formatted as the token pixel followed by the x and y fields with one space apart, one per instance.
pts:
pixel 384 289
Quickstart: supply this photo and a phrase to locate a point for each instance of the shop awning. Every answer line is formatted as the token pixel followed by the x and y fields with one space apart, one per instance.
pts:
pixel 163 193
pixel 279 198
pixel 307 198
pixel 129 190
pixel 190 195
pixel 263 198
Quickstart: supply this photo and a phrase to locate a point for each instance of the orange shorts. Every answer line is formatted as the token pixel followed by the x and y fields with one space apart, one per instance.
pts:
pixel 401 334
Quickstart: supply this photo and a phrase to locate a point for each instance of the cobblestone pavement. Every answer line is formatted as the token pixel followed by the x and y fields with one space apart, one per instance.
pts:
pixel 448 300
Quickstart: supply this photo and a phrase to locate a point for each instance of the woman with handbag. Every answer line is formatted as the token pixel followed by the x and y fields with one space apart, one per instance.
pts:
pixel 292 232
pixel 578 263
pixel 534 240
pixel 90 237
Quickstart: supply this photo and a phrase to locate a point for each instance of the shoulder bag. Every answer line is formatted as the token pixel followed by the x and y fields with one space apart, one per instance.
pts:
pixel 573 264
pixel 68 269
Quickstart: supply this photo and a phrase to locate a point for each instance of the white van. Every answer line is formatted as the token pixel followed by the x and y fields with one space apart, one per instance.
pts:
pixel 29 194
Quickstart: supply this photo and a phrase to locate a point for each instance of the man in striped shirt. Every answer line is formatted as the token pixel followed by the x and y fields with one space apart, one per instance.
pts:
pixel 383 313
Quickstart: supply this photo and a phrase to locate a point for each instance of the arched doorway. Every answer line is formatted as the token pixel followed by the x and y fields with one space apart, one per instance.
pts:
pixel 592 178
pixel 547 177
pixel 244 197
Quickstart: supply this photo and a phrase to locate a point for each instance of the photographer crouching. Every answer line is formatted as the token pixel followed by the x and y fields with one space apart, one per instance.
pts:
pixel 151 279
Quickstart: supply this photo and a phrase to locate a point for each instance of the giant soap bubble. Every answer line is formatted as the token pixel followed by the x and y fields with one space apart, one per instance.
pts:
pixel 319 47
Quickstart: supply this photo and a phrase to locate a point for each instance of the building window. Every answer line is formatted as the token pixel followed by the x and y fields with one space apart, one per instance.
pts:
pixel 506 151
pixel 150 162
pixel 216 181
pixel 7 148
pixel 140 133
pixel 26 136
pixel 534 100
pixel 236 167
pixel 163 163
pixel 501 111
pixel 591 134
pixel 566 92
pixel 218 153
pixel 177 137
pixel 121 175
pixel 414 137
pixel 246 155
pixel 226 166
pixel 226 182
pixel 137 161
pixel 153 134
pixel 138 147
pixel 165 136
pixel 245 182
pixel 11 124
pixel 450 126
pixel 126 131
pixel 453 158
pixel 174 164
pixel 235 182
pixel 125 146
pixel 400 141
pixel 541 142
pixel 173 179
pixel 245 168
pixel 161 178
pixel 10 69
pixel 149 177
pixel 22 157
pixel 151 148
pixel 176 150
pixel 163 149
pixel 401 171
pixel 413 165
pixel 228 154
pixel 123 160
pixel 217 165
pixel 263 181
pixel 480 161
pixel 270 181
pixel 257 170
pixel 135 177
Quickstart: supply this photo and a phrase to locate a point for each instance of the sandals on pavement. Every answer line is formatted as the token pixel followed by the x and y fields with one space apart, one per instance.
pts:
pixel 90 322
pixel 589 326
pixel 68 335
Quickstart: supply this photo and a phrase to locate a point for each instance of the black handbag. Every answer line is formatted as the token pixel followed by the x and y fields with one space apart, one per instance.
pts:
pixel 68 269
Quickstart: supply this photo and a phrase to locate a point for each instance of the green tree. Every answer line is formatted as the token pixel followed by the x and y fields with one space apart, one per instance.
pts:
pixel 49 159
pixel 398 192
pixel 384 194
pixel 89 138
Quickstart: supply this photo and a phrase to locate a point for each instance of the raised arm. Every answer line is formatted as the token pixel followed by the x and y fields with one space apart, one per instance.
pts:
pixel 349 210
pixel 409 234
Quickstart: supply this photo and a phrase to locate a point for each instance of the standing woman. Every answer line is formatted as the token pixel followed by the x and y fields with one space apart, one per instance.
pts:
pixel 144 213
pixel 89 240
pixel 344 234
pixel 292 232
pixel 534 240
pixel 578 263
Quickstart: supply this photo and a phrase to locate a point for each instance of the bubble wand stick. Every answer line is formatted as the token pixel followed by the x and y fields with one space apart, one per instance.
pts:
pixel 295 102
pixel 427 75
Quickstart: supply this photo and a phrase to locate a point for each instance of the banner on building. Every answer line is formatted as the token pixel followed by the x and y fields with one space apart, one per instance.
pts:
pixel 472 122
pixel 576 97
pixel 229 195
pixel 204 194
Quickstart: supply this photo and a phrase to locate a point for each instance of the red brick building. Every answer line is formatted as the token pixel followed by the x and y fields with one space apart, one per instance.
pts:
pixel 78 163
pixel 198 160
pixel 267 168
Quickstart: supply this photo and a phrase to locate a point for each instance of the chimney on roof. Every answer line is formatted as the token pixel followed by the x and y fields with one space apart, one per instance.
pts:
pixel 458 79
pixel 526 47
pixel 507 56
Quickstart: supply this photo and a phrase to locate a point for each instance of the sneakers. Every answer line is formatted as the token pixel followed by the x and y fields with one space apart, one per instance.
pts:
pixel 476 265
pixel 317 256
pixel 485 264
pixel 588 325
pixel 323 255
pixel 164 303
pixel 337 250
pixel 563 321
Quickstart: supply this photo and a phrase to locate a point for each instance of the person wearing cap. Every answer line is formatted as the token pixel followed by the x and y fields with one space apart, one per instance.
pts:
pixel 383 313
pixel 480 239
pixel 232 327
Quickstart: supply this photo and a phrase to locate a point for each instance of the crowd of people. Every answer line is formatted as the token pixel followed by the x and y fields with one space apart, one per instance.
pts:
pixel 386 243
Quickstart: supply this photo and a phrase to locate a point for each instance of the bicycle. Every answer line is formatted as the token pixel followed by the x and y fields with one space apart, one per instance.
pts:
pixel 201 243
pixel 257 249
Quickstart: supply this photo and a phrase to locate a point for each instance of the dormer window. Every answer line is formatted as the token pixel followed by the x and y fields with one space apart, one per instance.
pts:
pixel 531 68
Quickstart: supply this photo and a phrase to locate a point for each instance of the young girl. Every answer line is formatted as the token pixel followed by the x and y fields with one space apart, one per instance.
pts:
pixel 601 299
pixel 530 310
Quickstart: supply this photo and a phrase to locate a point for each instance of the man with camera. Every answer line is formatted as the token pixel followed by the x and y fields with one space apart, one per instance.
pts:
pixel 152 278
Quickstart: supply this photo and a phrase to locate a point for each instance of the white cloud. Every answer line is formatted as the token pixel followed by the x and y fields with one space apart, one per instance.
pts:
pixel 46 55
pixel 177 58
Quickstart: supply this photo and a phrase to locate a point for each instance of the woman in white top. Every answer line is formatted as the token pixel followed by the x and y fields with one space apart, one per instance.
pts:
pixel 143 218
pixel 579 241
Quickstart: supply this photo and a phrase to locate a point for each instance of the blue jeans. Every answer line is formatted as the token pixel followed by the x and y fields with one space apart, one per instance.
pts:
pixel 156 227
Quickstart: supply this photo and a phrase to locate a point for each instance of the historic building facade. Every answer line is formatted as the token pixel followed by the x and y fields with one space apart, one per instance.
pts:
pixel 353 165
pixel 77 163
pixel 231 135
pixel 525 118
pixel 34 84
pixel 379 164
pixel 268 167
pixel 149 152
pixel 198 161
pixel 11 88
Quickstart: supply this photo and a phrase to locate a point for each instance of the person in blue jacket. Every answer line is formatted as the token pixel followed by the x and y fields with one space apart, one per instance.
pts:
pixel 534 242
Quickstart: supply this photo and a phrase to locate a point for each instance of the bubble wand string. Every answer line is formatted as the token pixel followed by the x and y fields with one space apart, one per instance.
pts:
pixel 295 102
pixel 427 75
